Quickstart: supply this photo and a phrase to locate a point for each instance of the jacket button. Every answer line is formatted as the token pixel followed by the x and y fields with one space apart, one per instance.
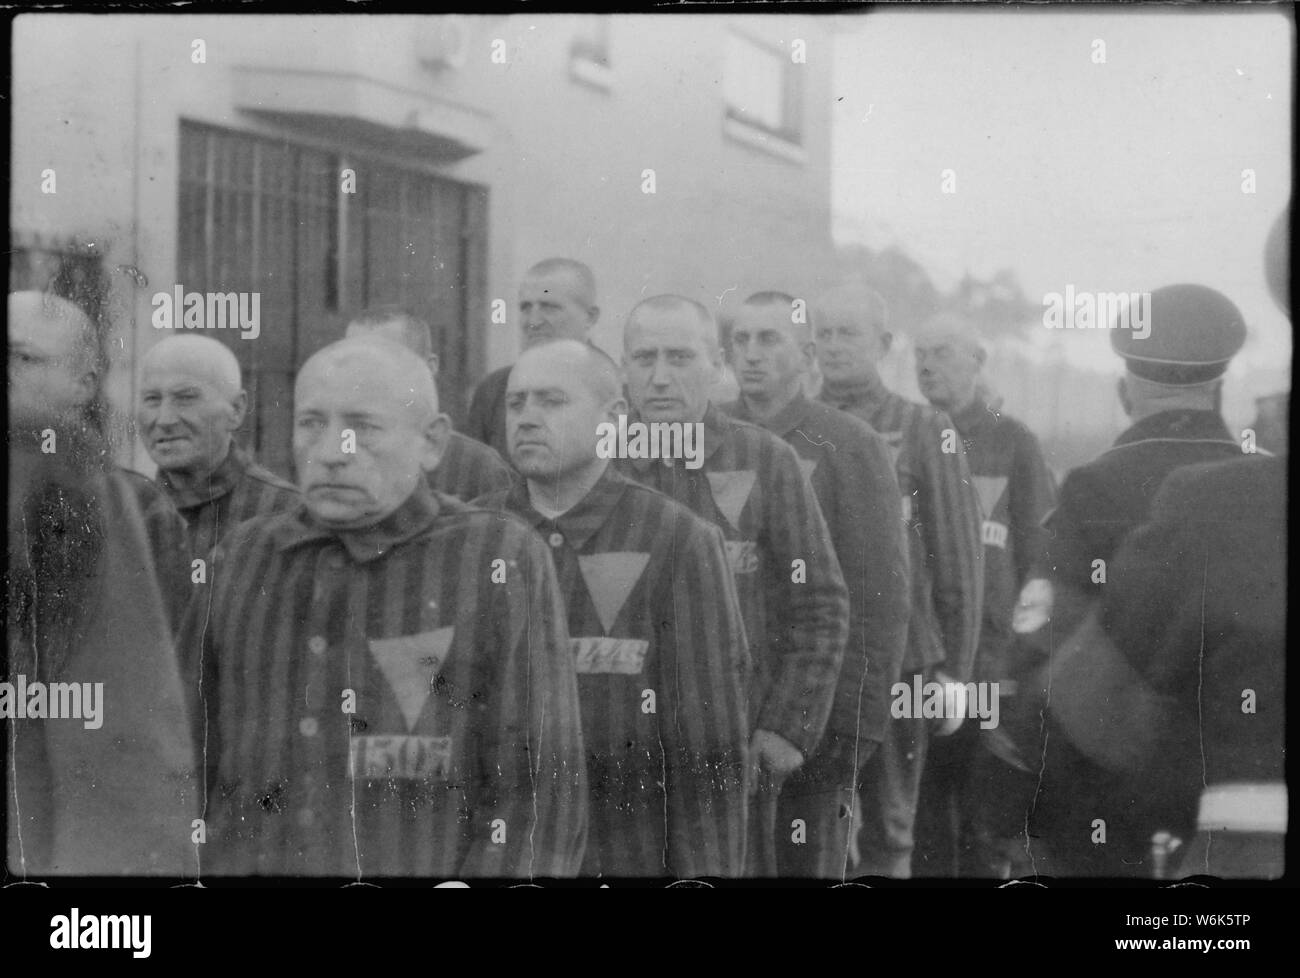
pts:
pixel 308 726
pixel 555 540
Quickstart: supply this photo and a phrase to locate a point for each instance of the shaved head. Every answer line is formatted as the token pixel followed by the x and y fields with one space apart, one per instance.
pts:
pixel 200 356
pixel 366 429
pixel 396 323
pixel 374 363
pixel 849 326
pixel 57 364
pixel 855 303
pixel 951 328
pixel 190 404
pixel 557 301
pixel 594 370
pixel 949 357
pixel 582 283
pixel 678 306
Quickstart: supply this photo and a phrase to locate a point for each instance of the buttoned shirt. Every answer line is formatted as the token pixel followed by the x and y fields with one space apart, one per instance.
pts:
pixel 852 473
pixel 943 518
pixel 661 656
pixel 792 592
pixel 394 700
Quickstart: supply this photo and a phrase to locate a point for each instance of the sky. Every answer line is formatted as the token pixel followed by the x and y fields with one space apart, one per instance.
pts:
pixel 1120 176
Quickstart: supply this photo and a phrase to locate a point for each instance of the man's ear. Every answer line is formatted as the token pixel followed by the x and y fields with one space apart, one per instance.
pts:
pixel 593 314
pixel 615 408
pixel 238 410
pixel 87 384
pixel 886 341
pixel 434 362
pixel 809 352
pixel 437 433
pixel 1122 389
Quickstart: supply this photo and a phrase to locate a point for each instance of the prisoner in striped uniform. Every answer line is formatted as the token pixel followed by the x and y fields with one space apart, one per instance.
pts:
pixel 657 636
pixel 748 482
pixel 943 517
pixel 976 788
pixel 388 688
pixel 468 468
pixel 852 474
pixel 557 301
pixel 191 403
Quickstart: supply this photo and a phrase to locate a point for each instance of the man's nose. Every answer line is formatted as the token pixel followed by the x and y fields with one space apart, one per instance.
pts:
pixel 166 414
pixel 329 448
pixel 659 374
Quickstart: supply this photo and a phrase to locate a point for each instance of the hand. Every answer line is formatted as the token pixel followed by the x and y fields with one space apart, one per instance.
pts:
pixel 954 705
pixel 772 758
pixel 1034 609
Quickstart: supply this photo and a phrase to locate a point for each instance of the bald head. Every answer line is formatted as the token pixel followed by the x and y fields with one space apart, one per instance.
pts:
pixel 198 356
pixel 366 429
pixel 557 300
pixel 372 364
pixel 190 404
pixel 949 357
pixel 55 360
pixel 671 358
pixel 557 396
pixel 849 326
pixel 397 324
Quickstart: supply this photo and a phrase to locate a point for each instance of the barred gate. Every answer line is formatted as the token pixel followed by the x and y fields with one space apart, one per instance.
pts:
pixel 268 216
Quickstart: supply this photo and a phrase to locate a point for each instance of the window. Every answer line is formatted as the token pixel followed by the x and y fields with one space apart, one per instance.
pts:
pixel 761 87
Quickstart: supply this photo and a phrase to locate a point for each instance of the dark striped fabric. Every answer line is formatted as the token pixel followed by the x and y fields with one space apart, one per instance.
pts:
pixel 852 473
pixel 652 609
pixel 752 487
pixel 464 755
pixel 487 411
pixel 1016 491
pixel 168 543
pixel 469 469
pixel 237 490
pixel 943 515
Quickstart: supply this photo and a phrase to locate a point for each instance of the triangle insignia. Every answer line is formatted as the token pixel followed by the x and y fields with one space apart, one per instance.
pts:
pixel 731 491
pixel 409 663
pixel 610 579
pixel 989 489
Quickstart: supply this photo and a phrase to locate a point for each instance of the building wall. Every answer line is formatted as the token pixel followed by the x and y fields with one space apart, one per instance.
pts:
pixel 100 99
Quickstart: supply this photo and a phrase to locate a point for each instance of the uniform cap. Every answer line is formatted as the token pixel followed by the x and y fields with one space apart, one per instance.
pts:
pixel 1194 332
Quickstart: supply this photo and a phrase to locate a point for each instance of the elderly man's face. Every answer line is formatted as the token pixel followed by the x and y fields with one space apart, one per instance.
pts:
pixel 849 346
pixel 947 367
pixel 551 309
pixel 185 416
pixel 48 380
pixel 394 441
pixel 669 366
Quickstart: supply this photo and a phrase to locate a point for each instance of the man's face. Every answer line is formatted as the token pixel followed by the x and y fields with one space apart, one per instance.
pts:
pixel 551 416
pixel 48 382
pixel 849 346
pixel 550 309
pixel 393 443
pixel 947 368
pixel 185 417
pixel 669 366
pixel 766 353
